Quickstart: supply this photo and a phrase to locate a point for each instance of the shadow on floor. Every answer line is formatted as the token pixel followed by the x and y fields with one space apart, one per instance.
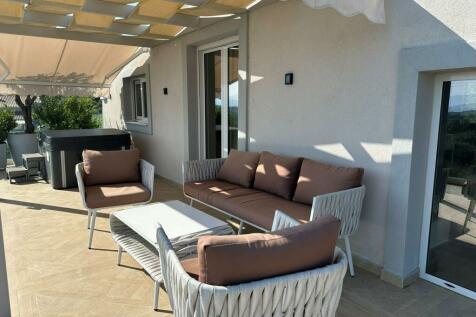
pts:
pixel 50 207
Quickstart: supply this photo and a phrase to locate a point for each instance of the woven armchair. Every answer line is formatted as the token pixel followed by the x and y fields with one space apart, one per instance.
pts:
pixel 147 180
pixel 314 292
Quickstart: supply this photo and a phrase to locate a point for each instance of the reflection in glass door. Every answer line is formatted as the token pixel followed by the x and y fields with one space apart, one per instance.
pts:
pixel 451 246
pixel 219 92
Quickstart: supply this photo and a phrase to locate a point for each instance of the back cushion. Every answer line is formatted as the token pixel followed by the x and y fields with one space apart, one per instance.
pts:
pixel 318 178
pixel 277 174
pixel 111 167
pixel 239 168
pixel 228 260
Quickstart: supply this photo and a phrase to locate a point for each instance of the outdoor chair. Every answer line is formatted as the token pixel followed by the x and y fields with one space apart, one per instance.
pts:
pixel 314 291
pixel 111 179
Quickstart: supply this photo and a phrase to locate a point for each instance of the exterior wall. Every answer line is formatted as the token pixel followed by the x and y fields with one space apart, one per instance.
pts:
pixel 341 108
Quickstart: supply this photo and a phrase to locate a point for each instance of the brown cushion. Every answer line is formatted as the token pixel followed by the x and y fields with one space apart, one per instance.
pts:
pixel 318 178
pixel 239 168
pixel 100 196
pixel 259 208
pixel 248 204
pixel 191 266
pixel 111 167
pixel 228 260
pixel 203 190
pixel 277 174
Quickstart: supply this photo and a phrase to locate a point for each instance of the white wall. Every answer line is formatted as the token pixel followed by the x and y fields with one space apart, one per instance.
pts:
pixel 341 107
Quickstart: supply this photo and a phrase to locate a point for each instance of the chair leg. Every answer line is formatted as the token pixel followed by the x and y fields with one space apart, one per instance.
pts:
pixel 191 202
pixel 156 295
pixel 469 214
pixel 119 254
pixel 89 218
pixel 240 228
pixel 91 229
pixel 349 256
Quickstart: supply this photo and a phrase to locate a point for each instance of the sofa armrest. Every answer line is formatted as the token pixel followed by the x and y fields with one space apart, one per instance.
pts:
pixel 147 173
pixel 79 170
pixel 345 205
pixel 282 221
pixel 201 170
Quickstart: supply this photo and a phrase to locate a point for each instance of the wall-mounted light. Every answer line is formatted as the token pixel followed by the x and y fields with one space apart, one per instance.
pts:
pixel 289 79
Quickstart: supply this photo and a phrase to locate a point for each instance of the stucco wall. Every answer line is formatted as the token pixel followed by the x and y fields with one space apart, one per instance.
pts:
pixel 342 104
pixel 341 107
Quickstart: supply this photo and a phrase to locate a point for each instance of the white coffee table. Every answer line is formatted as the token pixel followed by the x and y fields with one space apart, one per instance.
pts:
pixel 135 231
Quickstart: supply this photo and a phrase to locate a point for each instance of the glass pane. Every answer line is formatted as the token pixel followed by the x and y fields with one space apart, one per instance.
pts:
pixel 233 53
pixel 138 99
pixel 144 98
pixel 452 241
pixel 213 103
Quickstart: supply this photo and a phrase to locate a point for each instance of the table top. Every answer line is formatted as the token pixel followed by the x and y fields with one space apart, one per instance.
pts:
pixel 176 218
pixel 32 156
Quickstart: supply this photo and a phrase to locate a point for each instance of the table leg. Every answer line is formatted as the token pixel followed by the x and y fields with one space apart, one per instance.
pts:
pixel 156 295
pixel 119 254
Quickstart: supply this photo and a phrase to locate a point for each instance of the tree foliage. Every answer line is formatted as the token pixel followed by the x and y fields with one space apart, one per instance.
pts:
pixel 62 113
pixel 7 122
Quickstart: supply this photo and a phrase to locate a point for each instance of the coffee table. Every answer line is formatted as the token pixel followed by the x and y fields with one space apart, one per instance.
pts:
pixel 135 229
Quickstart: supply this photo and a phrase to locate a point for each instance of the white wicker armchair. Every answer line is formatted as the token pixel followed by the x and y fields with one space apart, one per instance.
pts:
pixel 345 205
pixel 314 292
pixel 147 179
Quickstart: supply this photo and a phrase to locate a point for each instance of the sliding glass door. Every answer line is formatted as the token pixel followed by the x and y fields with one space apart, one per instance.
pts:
pixel 449 251
pixel 219 100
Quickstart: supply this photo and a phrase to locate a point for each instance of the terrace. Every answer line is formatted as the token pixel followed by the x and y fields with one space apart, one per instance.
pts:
pixel 279 119
pixel 51 273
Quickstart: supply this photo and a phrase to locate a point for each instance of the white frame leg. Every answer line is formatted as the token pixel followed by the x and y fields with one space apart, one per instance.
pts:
pixel 156 295
pixel 191 202
pixel 240 228
pixel 119 254
pixel 469 214
pixel 89 218
pixel 91 229
pixel 349 256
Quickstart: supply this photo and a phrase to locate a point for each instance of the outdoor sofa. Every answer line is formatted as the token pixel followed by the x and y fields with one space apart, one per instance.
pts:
pixel 251 186
pixel 267 274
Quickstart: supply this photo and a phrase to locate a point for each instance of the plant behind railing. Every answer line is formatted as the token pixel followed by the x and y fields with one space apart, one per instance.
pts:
pixel 62 113
pixel 7 122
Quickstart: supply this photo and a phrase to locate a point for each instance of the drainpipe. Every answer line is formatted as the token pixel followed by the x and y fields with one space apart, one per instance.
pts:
pixel 4 297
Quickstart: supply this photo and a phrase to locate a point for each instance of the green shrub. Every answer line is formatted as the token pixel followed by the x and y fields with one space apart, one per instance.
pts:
pixel 61 113
pixel 7 122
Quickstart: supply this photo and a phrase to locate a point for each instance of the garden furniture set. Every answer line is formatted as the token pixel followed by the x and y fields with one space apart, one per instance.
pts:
pixel 292 268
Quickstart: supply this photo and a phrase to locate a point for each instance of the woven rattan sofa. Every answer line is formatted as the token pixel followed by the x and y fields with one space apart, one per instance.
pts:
pixel 250 187
pixel 312 292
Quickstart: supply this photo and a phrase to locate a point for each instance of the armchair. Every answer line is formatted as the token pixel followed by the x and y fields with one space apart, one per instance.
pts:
pixel 96 196
pixel 311 292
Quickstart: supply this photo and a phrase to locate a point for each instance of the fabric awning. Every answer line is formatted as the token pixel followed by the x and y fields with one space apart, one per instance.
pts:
pixel 374 10
pixel 36 65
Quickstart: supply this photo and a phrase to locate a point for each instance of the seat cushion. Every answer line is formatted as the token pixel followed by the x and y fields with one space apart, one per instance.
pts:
pixel 258 207
pixel 111 167
pixel 318 178
pixel 229 260
pixel 203 190
pixel 100 196
pixel 191 266
pixel 277 174
pixel 239 168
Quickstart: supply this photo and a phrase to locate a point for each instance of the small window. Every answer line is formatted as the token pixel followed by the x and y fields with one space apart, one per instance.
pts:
pixel 139 98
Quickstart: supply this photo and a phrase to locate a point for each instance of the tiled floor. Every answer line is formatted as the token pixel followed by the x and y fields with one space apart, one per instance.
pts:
pixel 52 273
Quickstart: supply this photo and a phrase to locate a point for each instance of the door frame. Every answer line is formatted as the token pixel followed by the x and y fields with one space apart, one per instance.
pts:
pixel 430 180
pixel 223 46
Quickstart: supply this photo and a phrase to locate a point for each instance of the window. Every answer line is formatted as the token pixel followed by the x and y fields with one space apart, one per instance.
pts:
pixel 139 99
